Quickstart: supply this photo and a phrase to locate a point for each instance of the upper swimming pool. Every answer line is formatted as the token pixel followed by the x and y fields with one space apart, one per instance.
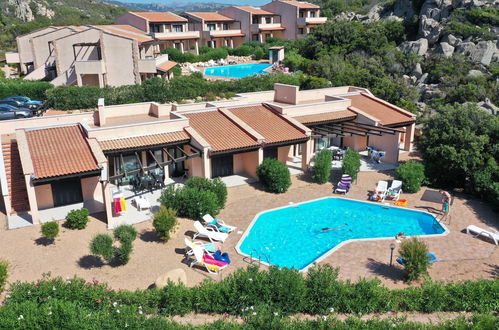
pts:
pixel 236 71
pixel 292 236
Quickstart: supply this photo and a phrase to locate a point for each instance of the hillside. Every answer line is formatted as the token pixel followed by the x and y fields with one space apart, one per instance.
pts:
pixel 176 7
pixel 21 16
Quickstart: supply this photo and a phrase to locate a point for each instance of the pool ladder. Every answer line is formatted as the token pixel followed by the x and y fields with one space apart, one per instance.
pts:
pixel 252 258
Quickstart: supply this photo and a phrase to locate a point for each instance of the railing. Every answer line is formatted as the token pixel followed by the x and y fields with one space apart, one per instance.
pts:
pixel 176 35
pixel 90 67
pixel 215 33
pixel 257 27
pixel 307 20
pixel 252 258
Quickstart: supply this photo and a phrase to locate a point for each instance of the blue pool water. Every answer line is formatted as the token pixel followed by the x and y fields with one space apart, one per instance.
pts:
pixel 236 71
pixel 293 236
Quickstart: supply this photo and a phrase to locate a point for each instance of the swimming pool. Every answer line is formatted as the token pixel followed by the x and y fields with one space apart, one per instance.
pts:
pixel 236 71
pixel 292 236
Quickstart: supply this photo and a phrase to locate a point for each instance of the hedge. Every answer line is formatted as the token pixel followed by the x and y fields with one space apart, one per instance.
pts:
pixel 32 89
pixel 279 290
pixel 274 176
pixel 4 274
pixel 322 166
pixel 412 176
pixel 351 163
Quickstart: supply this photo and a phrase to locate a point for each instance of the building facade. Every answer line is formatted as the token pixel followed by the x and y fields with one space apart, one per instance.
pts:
pixel 52 164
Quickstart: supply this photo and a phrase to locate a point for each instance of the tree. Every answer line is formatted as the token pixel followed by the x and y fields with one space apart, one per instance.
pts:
pixel 412 176
pixel 274 175
pixel 414 253
pixel 322 166
pixel 164 221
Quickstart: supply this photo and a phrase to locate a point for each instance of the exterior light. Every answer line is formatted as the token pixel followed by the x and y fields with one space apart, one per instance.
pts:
pixel 392 247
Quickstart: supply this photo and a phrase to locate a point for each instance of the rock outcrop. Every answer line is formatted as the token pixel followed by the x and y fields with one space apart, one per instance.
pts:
pixel 483 51
pixel 23 9
pixel 419 46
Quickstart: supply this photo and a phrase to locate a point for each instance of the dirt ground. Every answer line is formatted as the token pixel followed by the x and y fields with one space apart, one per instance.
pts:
pixel 461 257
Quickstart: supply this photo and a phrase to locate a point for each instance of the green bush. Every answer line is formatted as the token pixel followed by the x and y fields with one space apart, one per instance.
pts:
pixel 274 175
pixel 102 245
pixel 50 230
pixel 164 221
pixel 33 89
pixel 216 185
pixel 351 163
pixel 77 219
pixel 322 167
pixel 125 233
pixel 415 254
pixel 4 274
pixel 412 176
pixel 190 202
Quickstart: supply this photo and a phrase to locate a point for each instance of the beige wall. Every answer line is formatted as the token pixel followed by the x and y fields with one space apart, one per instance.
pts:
pixel 288 14
pixel 241 16
pixel 44 196
pixel 24 46
pixel 121 57
pixel 93 198
pixel 246 163
pixel 9 126
pixel 64 49
pixel 133 20
pixel 107 133
pixel 40 45
pixel 357 143
pixel 283 153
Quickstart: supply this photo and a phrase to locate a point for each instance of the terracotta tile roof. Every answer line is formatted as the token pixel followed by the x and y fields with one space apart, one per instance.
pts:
pixel 60 151
pixel 279 28
pixel 126 31
pixel 166 66
pixel 387 114
pixel 144 141
pixel 210 16
pixel 229 35
pixel 326 117
pixel 255 11
pixel 159 16
pixel 219 131
pixel 303 5
pixel 268 124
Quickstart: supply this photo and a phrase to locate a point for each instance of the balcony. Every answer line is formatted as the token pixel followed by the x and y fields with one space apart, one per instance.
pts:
pixel 147 65
pixel 90 67
pixel 12 58
pixel 176 35
pixel 302 21
pixel 221 33
pixel 255 28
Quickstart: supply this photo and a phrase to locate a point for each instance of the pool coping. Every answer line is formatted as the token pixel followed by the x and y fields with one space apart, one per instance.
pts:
pixel 223 77
pixel 331 251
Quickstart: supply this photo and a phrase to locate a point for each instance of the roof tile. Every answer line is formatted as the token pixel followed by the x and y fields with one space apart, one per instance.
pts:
pixel 144 141
pixel 219 131
pixel 60 151
pixel 255 11
pixel 268 124
pixel 211 16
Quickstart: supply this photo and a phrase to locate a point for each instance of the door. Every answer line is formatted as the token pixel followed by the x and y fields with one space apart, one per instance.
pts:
pixel 270 153
pixel 222 166
pixel 67 192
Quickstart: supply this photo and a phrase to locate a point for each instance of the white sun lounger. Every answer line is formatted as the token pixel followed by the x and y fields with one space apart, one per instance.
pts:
pixel 210 221
pixel 209 232
pixel 472 229
pixel 395 190
pixel 199 260
pixel 380 192
pixel 207 247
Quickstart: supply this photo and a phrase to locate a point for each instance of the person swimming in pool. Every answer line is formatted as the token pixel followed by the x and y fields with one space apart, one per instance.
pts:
pixel 335 228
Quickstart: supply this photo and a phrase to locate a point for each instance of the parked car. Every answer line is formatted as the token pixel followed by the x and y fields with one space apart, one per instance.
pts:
pixel 11 112
pixel 24 101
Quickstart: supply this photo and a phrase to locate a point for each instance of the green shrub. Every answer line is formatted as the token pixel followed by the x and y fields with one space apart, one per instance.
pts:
pixel 274 175
pixel 33 89
pixel 77 219
pixel 50 230
pixel 164 221
pixel 415 254
pixel 351 163
pixel 125 233
pixel 412 176
pixel 190 202
pixel 216 185
pixel 322 167
pixel 4 274
pixel 102 245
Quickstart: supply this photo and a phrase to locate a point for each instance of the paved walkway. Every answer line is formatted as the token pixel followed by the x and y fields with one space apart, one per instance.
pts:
pixel 461 256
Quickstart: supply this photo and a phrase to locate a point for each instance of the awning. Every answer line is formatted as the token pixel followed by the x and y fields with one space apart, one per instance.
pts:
pixel 280 28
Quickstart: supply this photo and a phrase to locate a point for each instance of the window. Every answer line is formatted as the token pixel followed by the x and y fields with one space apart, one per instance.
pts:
pixel 212 27
pixel 268 20
pixel 156 28
pixel 225 26
pixel 178 46
pixel 254 37
pixel 255 20
pixel 312 14
pixel 178 28
pixel 302 13
pixel 300 31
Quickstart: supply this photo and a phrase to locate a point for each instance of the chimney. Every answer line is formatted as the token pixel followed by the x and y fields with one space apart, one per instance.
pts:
pixel 286 93
pixel 102 112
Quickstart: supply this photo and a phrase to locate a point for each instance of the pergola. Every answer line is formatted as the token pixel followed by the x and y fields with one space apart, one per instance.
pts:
pixel 349 128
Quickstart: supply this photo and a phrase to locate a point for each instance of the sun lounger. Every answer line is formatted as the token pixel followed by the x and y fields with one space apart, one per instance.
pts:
pixel 207 247
pixel 394 191
pixel 380 192
pixel 202 258
pixel 344 184
pixel 209 233
pixel 217 224
pixel 493 235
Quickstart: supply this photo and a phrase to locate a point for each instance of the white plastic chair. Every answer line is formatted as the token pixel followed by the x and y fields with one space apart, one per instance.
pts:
pixel 209 233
